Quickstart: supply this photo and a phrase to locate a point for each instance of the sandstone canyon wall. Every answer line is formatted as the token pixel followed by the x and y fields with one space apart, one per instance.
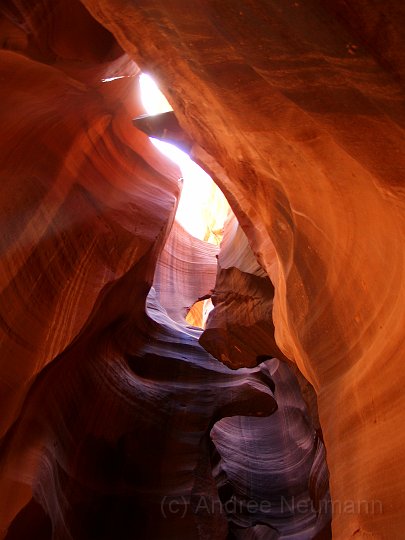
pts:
pixel 296 109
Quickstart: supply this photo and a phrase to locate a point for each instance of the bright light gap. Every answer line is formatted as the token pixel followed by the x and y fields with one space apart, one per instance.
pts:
pixel 202 208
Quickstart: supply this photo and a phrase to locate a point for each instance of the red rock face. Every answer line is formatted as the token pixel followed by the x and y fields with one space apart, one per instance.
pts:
pixel 78 189
pixel 297 111
pixel 185 271
pixel 240 330
pixel 301 122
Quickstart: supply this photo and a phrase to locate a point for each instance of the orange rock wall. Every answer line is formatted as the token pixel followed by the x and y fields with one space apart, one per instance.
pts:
pixel 78 187
pixel 296 109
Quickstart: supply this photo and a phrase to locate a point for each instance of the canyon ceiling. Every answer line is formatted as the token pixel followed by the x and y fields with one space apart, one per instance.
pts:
pixel 284 417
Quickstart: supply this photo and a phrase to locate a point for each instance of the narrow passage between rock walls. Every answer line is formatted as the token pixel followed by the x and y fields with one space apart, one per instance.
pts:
pixel 202 208
pixel 250 495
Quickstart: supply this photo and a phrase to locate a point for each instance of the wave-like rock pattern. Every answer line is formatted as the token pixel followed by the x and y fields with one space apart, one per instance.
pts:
pixel 297 111
pixel 272 470
pixel 114 434
pixel 79 187
pixel 185 272
pixel 239 330
pixel 107 413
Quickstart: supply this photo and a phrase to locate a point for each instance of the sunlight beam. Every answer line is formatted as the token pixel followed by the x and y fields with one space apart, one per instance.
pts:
pixel 202 208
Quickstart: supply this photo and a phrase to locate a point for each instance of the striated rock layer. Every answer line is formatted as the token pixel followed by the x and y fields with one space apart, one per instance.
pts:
pixel 79 189
pixel 114 435
pixel 239 330
pixel 269 471
pixel 185 271
pixel 272 470
pixel 107 412
pixel 296 109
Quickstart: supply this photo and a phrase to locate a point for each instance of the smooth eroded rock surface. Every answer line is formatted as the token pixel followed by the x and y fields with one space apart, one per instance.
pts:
pixel 297 110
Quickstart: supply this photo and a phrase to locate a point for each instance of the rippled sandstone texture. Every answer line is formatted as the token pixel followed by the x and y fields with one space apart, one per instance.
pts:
pixel 107 411
pixel 73 219
pixel 297 110
pixel 239 330
pixel 185 271
pixel 289 460
pixel 240 327
pixel 270 470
